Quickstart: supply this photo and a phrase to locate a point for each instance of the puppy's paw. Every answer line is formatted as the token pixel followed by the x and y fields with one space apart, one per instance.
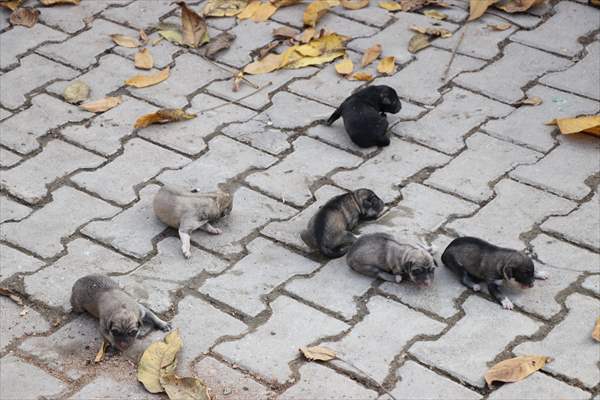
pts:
pixel 542 275
pixel 507 304
pixel 476 287
pixel 186 252
pixel 166 327
pixel 216 231
pixel 398 278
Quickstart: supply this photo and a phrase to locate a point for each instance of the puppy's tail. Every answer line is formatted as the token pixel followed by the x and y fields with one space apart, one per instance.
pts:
pixel 334 117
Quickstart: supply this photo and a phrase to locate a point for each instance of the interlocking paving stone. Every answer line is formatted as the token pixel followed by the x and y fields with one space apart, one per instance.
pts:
pixel 283 102
pixel 71 19
pixel 259 135
pixel 21 131
pixel 515 210
pixel 195 316
pixel 385 323
pixel 522 20
pixel 563 255
pixel 580 19
pixel 370 15
pixel 249 36
pixel 8 158
pixel 319 382
pixel 14 261
pixel 131 232
pixel 227 383
pixel 15 325
pixel 564 170
pixel 140 14
pixel 60 218
pixel 34 72
pixel 81 50
pixel 52 285
pixel 11 210
pixel 417 382
pixel 486 159
pixel 291 179
pixel 581 226
pixel 207 171
pixel 578 360
pixel 592 283
pixel 569 79
pixel 431 63
pixel 251 210
pixel 97 389
pixel 20 39
pixel 532 130
pixel 518 66
pixel 282 334
pixel 154 294
pixel 19 380
pixel 399 160
pixel 395 37
pixel 538 387
pixel 4 113
pixel 30 179
pixel 445 126
pixel 139 162
pixel 448 352
pixel 338 284
pixel 267 266
pixel 289 231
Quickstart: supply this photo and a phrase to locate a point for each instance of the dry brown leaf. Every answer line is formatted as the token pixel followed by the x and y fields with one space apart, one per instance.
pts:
pixel 143 36
pixel 25 16
pixel 188 388
pixel 262 52
pixel 125 41
pixel 143 59
pixel 249 11
pixel 101 352
pixel 264 12
pixel 173 36
pixel 418 42
pixel 163 116
pixel 194 28
pixel 477 8
pixel 76 92
pixel 318 353
pixel 158 359
pixel 586 124
pixel 435 14
pixel 224 8
pixel 285 32
pixel 513 6
pixel 315 10
pixel 432 31
pixel 500 27
pixel 414 5
pixel 220 42
pixel 237 80
pixel 387 66
pixel 307 35
pixel 344 67
pixel 11 5
pixel 370 55
pixel 58 2
pixel 515 369
pixel 390 5
pixel 362 76
pixel 532 101
pixel 354 4
pixel 142 81
pixel 101 105
pixel 596 331
pixel 284 3
pixel 11 295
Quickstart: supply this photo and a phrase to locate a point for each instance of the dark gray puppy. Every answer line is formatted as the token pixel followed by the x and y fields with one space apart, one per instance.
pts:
pixel 477 261
pixel 120 316
pixel 329 230
pixel 380 255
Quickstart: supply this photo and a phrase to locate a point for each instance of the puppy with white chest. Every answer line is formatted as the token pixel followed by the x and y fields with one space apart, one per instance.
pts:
pixel 479 262
pixel 329 230
pixel 381 255
pixel 188 210
pixel 121 317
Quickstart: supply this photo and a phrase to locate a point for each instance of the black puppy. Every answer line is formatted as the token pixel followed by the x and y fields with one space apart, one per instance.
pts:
pixel 329 230
pixel 477 261
pixel 364 115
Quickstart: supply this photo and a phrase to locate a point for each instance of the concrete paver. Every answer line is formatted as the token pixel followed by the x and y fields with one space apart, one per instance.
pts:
pixel 19 379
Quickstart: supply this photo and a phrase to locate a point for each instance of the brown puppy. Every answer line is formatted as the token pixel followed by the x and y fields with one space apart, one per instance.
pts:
pixel 120 316
pixel 329 230
pixel 188 210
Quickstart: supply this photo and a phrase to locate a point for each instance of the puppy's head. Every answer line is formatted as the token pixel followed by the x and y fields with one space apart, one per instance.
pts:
pixel 122 328
pixel 421 269
pixel 224 202
pixel 520 268
pixel 389 100
pixel 370 205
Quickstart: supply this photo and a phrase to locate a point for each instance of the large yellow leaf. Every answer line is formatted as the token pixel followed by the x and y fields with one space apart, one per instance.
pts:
pixel 163 116
pixel 418 42
pixel 515 369
pixel 249 11
pixel 587 124
pixel 315 10
pixel 269 63
pixel 318 353
pixel 354 4
pixel 390 5
pixel 194 28
pixel 142 81
pixel 188 388
pixel 344 67
pixel 11 5
pixel 158 359
pixel 264 12
pixel 101 105
pixel 370 55
pixel 125 41
pixel 513 6
pixel 224 8
pixel 322 59
pixel 478 7
pixel 387 66
pixel 143 59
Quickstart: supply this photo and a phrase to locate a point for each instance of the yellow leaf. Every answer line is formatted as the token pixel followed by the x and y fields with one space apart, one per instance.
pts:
pixel 224 8
pixel 596 331
pixel 390 5
pixel 76 92
pixel 362 76
pixel 172 36
pixel 194 28
pixel 387 66
pixel 102 105
pixel 515 369
pixel 25 16
pixel 318 353
pixel 513 6
pixel 308 50
pixel 143 36
pixel 354 4
pixel 435 14
pixel 163 116
pixel 264 12
pixel 56 2
pixel 284 3
pixel 418 42
pixel 101 351
pixel 500 27
pixel 344 67
pixel 322 59
pixel 370 55
pixel 142 81
pixel 143 59
pixel 587 124
pixel 307 35
pixel 478 7
pixel 269 63
pixel 11 5
pixel 249 10
pixel 187 388
pixel 532 101
pixel 315 10
pixel 159 358
pixel 432 31
pixel 125 41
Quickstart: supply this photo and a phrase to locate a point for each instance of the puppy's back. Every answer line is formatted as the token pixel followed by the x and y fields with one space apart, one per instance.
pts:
pixel 370 249
pixel 172 202
pixel 87 291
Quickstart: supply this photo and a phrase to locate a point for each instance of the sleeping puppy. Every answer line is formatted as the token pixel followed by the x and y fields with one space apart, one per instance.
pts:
pixel 477 261
pixel 329 230
pixel 120 316
pixel 188 210
pixel 364 115
pixel 380 255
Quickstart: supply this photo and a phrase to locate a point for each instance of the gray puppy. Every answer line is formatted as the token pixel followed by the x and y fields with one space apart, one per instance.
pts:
pixel 121 317
pixel 476 261
pixel 188 210
pixel 329 230
pixel 380 255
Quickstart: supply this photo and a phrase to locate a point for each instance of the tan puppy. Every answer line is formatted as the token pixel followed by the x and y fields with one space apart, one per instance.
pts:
pixel 188 210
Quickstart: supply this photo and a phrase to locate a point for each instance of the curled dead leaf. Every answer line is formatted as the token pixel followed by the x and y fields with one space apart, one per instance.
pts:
pixel 143 59
pixel 102 105
pixel 586 124
pixel 263 12
pixel 478 7
pixel 159 359
pixel 173 36
pixel 435 14
pixel 390 6
pixel 101 352
pixel 362 76
pixel 142 81
pixel 163 116
pixel 318 353
pixel 194 28
pixel 315 10
pixel 354 4
pixel 11 295
pixel 596 331
pixel 143 36
pixel 513 6
pixel 188 388
pixel 500 27
pixel 76 92
pixel 370 55
pixel 344 67
pixel 432 31
pixel 237 80
pixel 58 2
pixel 285 32
pixel 418 42
pixel 515 369
pixel 224 8
pixel 387 65
pixel 125 41
pixel 25 16
pixel 220 42
pixel 532 101
pixel 11 5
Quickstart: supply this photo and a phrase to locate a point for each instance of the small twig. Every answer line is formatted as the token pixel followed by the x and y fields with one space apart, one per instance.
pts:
pixel 238 100
pixel 460 39
pixel 367 375
pixel 254 85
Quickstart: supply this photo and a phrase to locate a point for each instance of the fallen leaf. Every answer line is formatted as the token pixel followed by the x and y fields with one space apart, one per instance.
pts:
pixel 415 5
pixel 25 16
pixel 11 295
pixel 188 388
pixel 370 55
pixel 264 12
pixel 269 63
pixel 142 81
pixel 418 42
pixel 285 32
pixel 432 31
pixel 194 28
pixel 172 36
pixel 387 66
pixel 125 41
pixel 102 105
pixel 143 36
pixel 513 6
pixel 390 5
pixel 262 51
pixel 143 59
pixel 435 14
pixel 285 3
pixel 344 67
pixel 322 59
pixel 318 353
pixel 307 35
pixel 76 92
pixel 237 80
pixel 220 42
pixel 224 8
pixel 354 4
pixel 500 27
pixel 10 5
pixel 362 76
pixel 532 101
pixel 587 124
pixel 477 8
pixel 249 11
pixel 315 10
pixel 159 358
pixel 596 331
pixel 162 116
pixel 101 352
pixel 515 369
pixel 57 2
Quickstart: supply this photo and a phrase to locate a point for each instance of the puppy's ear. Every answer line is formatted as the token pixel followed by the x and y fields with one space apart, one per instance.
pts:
pixel 507 272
